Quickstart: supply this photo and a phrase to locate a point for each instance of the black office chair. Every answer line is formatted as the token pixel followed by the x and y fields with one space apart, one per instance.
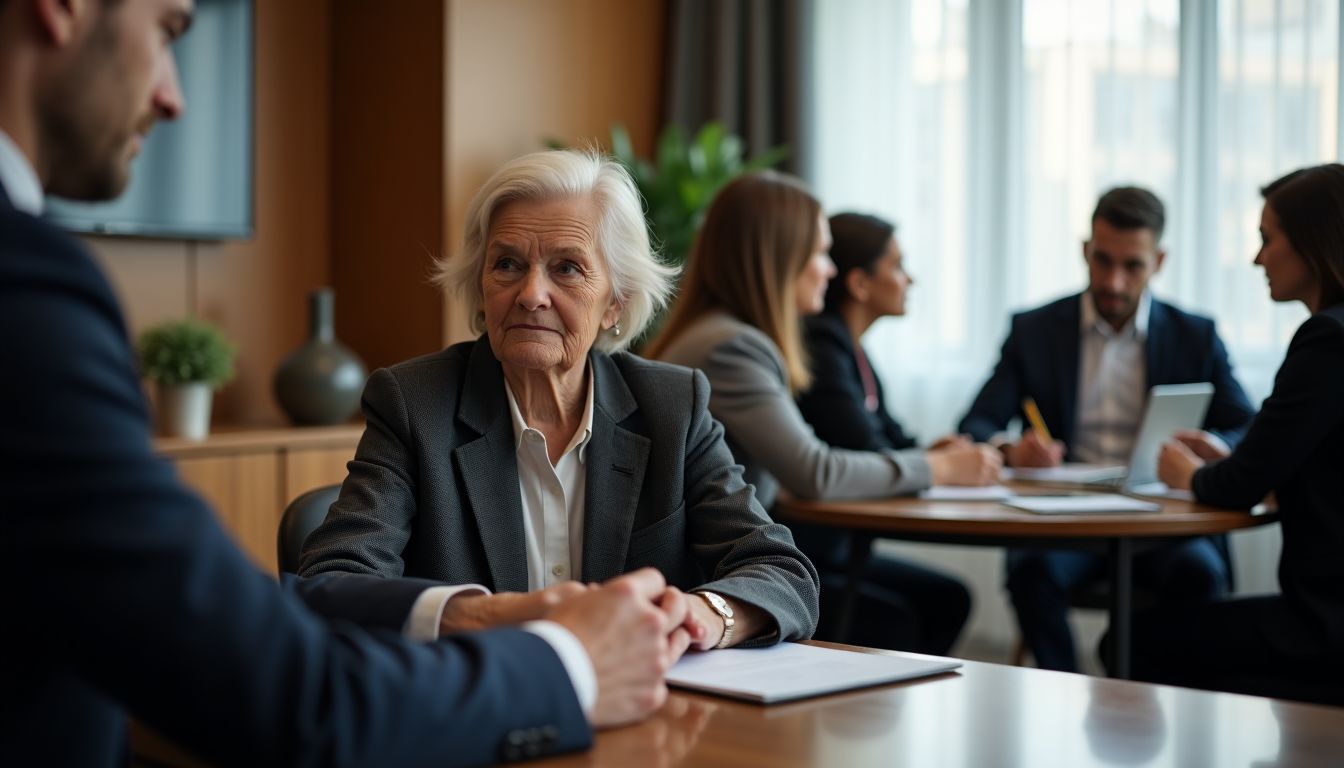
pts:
pixel 301 518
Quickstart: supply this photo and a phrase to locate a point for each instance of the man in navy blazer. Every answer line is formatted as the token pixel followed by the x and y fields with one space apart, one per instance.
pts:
pixel 124 595
pixel 1088 361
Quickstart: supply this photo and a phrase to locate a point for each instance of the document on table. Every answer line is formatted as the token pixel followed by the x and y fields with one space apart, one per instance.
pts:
pixel 966 493
pixel 793 671
pixel 1067 473
pixel 1100 503
pixel 1160 490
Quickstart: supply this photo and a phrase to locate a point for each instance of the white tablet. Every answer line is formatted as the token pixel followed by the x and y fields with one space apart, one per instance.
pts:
pixel 1171 408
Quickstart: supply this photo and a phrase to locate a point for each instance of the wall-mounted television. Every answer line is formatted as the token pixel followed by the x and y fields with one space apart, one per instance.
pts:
pixel 193 178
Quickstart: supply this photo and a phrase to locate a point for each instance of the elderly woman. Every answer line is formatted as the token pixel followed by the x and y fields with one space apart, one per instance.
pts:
pixel 1289 645
pixel 758 266
pixel 541 453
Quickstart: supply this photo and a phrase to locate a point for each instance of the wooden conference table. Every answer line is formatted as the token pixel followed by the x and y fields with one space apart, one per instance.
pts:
pixel 981 715
pixel 990 523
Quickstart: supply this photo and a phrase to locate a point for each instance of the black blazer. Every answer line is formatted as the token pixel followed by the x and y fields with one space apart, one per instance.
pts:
pixel 125 596
pixel 834 404
pixel 1040 360
pixel 1295 448
pixel 433 489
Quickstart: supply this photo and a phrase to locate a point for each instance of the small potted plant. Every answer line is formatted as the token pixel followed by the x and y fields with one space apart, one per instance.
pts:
pixel 188 360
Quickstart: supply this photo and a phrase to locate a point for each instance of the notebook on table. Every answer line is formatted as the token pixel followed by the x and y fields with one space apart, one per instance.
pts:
pixel 791 671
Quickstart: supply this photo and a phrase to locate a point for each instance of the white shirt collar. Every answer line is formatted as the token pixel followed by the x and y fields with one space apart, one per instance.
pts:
pixel 1138 325
pixel 581 436
pixel 19 179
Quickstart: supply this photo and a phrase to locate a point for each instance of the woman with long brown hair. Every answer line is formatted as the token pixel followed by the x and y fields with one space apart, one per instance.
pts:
pixel 759 264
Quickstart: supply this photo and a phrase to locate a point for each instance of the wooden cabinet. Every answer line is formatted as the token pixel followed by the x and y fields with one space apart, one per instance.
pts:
pixel 249 475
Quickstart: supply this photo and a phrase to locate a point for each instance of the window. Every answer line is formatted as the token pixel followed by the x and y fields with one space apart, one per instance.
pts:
pixel 986 129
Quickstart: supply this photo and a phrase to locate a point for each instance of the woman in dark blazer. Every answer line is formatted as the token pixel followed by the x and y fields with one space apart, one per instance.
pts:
pixel 1289 645
pixel 846 407
pixel 541 456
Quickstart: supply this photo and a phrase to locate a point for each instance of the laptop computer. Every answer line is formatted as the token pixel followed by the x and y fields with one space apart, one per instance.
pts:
pixel 1170 409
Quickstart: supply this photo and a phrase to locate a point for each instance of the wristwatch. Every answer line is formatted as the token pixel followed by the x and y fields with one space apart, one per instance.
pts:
pixel 725 610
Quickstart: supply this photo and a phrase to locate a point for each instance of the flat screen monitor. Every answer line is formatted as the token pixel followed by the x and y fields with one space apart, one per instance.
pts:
pixel 193 177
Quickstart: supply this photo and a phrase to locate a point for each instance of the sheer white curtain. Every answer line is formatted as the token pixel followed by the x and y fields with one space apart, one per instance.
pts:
pixel 987 128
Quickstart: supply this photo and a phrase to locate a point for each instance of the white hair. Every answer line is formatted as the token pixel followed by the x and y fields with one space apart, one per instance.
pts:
pixel 640 283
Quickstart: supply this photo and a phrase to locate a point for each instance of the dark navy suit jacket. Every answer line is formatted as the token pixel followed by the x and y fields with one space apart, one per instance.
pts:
pixel 1295 448
pixel 125 597
pixel 1040 360
pixel 834 404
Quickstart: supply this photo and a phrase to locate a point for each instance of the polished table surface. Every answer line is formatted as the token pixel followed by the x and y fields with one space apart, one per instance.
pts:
pixel 915 518
pixel 990 523
pixel 982 715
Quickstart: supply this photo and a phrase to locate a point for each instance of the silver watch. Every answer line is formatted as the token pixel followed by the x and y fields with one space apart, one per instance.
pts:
pixel 725 610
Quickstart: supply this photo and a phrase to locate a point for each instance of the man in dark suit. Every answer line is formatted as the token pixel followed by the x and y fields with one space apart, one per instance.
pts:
pixel 1088 361
pixel 125 595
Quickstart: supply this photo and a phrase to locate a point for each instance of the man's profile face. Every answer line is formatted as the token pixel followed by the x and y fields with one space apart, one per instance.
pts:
pixel 119 77
pixel 1120 262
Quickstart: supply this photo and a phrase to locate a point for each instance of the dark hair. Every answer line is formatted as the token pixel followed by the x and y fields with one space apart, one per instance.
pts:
pixel 1310 205
pixel 1132 208
pixel 857 242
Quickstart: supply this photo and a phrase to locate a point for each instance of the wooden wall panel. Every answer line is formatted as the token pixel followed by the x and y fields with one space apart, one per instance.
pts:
pixel 387 176
pixel 313 468
pixel 255 290
pixel 375 123
pixel 243 491
pixel 523 71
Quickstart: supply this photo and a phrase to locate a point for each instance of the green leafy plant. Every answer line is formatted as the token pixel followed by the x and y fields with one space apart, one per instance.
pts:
pixel 186 351
pixel 683 177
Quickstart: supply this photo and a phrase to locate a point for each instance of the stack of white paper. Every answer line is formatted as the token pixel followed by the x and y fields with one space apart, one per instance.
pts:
pixel 966 493
pixel 793 671
pixel 1067 473
pixel 1099 503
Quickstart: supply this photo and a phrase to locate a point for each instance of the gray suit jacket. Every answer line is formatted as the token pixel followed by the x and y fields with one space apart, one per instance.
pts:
pixel 433 488
pixel 767 432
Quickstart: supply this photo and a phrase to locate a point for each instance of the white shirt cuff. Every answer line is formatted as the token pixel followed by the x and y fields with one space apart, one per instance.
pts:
pixel 427 611
pixel 573 656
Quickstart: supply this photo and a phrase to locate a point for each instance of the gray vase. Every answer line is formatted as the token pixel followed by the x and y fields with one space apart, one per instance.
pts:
pixel 321 382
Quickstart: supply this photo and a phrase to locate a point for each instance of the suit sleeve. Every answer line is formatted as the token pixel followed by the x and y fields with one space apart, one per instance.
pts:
pixel 369 525
pixel 1231 412
pixel 999 400
pixel 1299 413
pixel 124 580
pixel 747 555
pixel 757 409
pixel 834 404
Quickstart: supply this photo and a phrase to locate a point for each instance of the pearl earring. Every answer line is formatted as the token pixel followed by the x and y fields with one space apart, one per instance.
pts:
pixel 616 329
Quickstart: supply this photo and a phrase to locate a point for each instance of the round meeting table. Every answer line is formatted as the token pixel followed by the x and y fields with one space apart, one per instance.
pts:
pixel 992 523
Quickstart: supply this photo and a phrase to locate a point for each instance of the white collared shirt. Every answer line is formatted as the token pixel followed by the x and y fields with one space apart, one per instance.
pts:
pixel 20 181
pixel 553 497
pixel 1112 372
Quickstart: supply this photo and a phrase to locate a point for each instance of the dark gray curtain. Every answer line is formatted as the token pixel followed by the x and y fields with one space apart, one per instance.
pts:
pixel 745 63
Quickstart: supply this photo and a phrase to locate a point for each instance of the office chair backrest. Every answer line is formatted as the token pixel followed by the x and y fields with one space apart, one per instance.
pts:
pixel 301 518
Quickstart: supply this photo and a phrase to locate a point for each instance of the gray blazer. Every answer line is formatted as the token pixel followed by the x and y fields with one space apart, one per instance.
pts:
pixel 767 432
pixel 433 488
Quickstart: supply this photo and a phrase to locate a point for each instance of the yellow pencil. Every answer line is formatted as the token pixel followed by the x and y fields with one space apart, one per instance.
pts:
pixel 1037 423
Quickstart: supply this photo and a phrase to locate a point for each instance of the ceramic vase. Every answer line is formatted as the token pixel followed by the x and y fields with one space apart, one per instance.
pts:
pixel 321 382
